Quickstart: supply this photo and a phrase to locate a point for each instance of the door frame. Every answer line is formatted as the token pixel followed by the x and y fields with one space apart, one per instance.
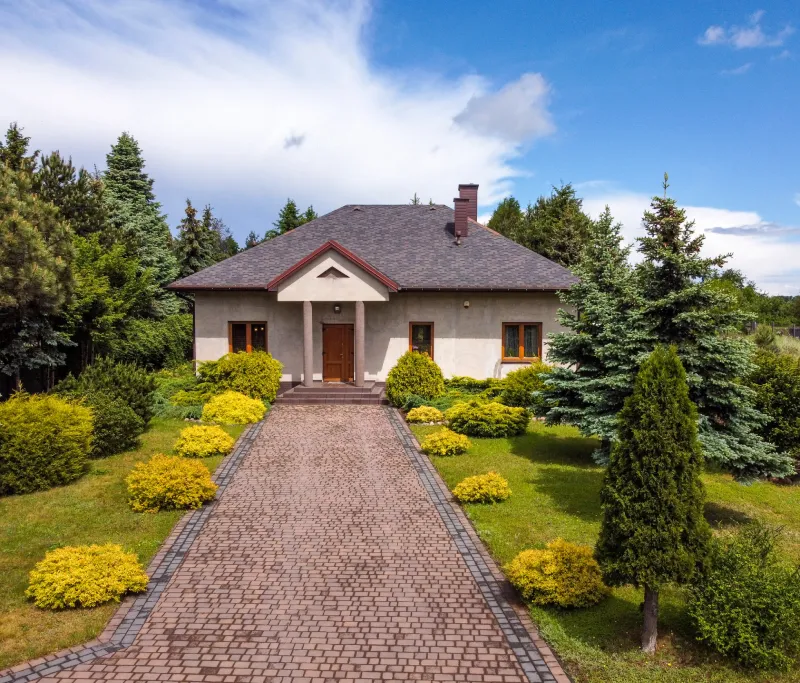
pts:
pixel 348 362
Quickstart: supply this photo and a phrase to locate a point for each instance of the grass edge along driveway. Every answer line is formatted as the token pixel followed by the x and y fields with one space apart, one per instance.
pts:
pixel 93 509
pixel 556 490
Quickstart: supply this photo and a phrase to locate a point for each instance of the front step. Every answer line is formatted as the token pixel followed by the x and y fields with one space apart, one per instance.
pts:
pixel 333 394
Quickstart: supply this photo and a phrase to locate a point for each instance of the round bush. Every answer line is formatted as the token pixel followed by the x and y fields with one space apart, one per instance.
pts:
pixel 233 408
pixel 445 442
pixel 747 606
pixel 522 387
pixel 168 482
pixel 492 420
pixel 85 576
pixel 256 374
pixel 116 426
pixel 482 488
pixel 425 414
pixel 415 373
pixel 45 441
pixel 563 574
pixel 202 441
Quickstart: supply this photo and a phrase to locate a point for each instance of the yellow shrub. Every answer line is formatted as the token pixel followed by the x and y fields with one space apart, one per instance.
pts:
pixel 482 488
pixel 445 442
pixel 167 482
pixel 201 441
pixel 425 414
pixel 85 576
pixel 563 574
pixel 233 408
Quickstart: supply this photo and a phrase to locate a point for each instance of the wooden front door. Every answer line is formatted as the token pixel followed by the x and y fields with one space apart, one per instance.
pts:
pixel 337 353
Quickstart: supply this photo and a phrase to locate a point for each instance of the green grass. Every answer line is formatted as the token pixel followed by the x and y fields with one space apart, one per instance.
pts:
pixel 92 510
pixel 556 494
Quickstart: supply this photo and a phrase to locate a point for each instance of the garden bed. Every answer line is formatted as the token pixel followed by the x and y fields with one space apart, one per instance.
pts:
pixel 556 490
pixel 92 510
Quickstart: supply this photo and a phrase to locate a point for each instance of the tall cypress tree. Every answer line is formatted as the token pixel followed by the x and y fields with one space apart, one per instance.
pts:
pixel 681 307
pixel 196 243
pixel 599 356
pixel 653 531
pixel 135 213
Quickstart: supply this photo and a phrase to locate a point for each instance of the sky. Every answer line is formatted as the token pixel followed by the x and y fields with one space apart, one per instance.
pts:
pixel 244 103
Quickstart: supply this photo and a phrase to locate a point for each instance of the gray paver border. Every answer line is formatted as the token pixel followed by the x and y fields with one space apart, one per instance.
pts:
pixel 135 609
pixel 534 655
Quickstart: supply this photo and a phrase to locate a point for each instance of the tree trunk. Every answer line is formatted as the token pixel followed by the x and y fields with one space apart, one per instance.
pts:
pixel 650 630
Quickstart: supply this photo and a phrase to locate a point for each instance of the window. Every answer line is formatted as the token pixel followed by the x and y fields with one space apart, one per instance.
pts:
pixel 420 338
pixel 247 337
pixel 522 341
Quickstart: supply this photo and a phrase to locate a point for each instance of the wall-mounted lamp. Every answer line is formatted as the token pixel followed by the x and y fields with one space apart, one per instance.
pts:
pixel 337 308
pixel 466 304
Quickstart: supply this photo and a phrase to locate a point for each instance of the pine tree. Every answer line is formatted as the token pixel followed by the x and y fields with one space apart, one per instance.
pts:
pixel 598 357
pixel 223 243
pixel 197 243
pixel 135 214
pixel 14 153
pixel 683 308
pixel 507 219
pixel 415 200
pixel 653 531
pixel 36 280
pixel 251 241
pixel 309 215
pixel 288 219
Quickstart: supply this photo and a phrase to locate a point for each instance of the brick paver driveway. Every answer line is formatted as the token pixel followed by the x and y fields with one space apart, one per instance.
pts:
pixel 324 559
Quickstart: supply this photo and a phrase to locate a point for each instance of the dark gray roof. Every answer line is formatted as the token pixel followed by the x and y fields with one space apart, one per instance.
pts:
pixel 411 244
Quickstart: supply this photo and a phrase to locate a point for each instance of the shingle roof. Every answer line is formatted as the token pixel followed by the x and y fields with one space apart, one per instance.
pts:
pixel 411 244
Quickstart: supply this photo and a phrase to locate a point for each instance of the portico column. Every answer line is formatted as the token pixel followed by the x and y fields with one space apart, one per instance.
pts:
pixel 308 346
pixel 359 340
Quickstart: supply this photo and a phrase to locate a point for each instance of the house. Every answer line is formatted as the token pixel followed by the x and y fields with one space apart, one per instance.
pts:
pixel 342 297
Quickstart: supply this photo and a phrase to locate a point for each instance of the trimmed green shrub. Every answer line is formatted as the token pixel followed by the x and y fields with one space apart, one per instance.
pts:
pixel 202 441
pixel 233 408
pixel 85 576
pixel 424 414
pixel 176 394
pixel 523 387
pixel 445 442
pixel 563 574
pixel 132 384
pixel 482 488
pixel 776 381
pixel 155 344
pixel 747 606
pixel 415 373
pixel 169 482
pixel 413 401
pixel 492 420
pixel 256 374
pixel 44 442
pixel 116 426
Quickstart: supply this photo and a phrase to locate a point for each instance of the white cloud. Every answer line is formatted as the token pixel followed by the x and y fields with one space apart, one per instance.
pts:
pixel 517 112
pixel 254 100
pixel 765 252
pixel 748 36
pixel 738 71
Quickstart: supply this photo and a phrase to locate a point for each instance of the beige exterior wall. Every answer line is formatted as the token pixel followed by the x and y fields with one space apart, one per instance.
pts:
pixel 350 282
pixel 467 340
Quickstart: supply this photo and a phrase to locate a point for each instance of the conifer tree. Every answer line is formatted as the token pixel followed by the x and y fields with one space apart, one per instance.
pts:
pixel 507 219
pixel 251 240
pixel 682 308
pixel 196 243
pixel 599 356
pixel 653 531
pixel 14 153
pixel 415 200
pixel 288 219
pixel 223 243
pixel 309 215
pixel 135 213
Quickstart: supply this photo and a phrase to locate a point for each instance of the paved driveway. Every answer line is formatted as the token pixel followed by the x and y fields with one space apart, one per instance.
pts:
pixel 325 558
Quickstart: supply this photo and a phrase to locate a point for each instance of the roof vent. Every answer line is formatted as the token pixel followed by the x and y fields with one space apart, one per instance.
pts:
pixel 356 208
pixel 432 207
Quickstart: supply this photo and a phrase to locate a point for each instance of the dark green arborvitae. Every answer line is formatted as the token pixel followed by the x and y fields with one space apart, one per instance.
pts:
pixel 598 357
pixel 683 308
pixel 653 530
pixel 196 243
pixel 135 213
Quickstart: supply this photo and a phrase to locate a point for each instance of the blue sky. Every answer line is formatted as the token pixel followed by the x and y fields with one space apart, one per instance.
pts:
pixel 244 103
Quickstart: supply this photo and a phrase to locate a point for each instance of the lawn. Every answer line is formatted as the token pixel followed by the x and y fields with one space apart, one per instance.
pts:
pixel 556 489
pixel 92 510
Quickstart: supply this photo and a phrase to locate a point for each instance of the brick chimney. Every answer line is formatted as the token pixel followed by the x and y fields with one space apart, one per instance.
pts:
pixel 466 206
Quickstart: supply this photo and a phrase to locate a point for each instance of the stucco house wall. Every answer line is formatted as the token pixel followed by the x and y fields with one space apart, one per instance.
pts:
pixel 467 339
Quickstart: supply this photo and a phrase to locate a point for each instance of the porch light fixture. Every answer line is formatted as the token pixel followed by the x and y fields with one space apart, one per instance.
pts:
pixel 337 308
pixel 466 304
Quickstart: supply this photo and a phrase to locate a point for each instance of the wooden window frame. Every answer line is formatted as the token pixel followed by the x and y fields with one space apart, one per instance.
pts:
pixel 521 358
pixel 248 334
pixel 411 327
